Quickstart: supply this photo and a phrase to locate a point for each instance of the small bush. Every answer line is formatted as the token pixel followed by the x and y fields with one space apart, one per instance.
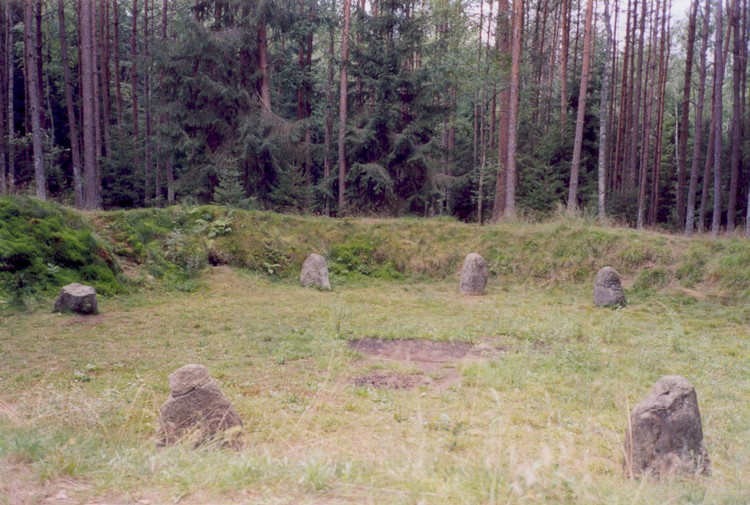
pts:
pixel 43 246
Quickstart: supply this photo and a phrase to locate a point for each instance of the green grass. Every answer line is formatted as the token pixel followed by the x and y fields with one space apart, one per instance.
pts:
pixel 542 422
pixel 44 246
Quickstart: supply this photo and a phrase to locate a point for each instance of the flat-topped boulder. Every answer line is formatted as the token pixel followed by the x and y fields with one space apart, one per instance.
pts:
pixel 474 274
pixel 665 435
pixel 197 411
pixel 77 298
pixel 315 272
pixel 608 290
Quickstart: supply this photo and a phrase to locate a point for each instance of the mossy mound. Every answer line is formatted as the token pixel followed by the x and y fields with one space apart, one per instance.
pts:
pixel 44 246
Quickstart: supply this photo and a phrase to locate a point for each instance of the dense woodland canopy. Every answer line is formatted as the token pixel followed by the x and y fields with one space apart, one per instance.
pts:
pixel 478 109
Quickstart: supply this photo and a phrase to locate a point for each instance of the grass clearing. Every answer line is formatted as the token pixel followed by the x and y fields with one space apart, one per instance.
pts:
pixel 541 422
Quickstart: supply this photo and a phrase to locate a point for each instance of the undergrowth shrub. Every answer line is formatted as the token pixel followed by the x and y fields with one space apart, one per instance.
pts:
pixel 44 246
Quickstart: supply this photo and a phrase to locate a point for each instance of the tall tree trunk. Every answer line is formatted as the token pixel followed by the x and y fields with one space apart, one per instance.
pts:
pixel 707 166
pixel 632 158
pixel 92 198
pixel 646 128
pixel 604 119
pixel 661 99
pixel 265 82
pixel 578 143
pixel 70 106
pixel 515 83
pixel 168 166
pixel 10 61
pixel 38 46
pixel 564 50
pixel 134 79
pixel 102 52
pixel 343 101
pixel 3 100
pixel 739 40
pixel 623 116
pixel 328 134
pixel 685 115
pixel 698 135
pixel 503 27
pixel 97 101
pixel 717 115
pixel 147 165
pixel 116 51
pixel 32 82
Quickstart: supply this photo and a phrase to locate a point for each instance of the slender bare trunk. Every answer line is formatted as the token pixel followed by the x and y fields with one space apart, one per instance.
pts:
pixel 583 91
pixel 698 135
pixel 564 65
pixel 147 165
pixel 504 99
pixel 70 105
pixel 265 82
pixel 134 79
pixel 116 51
pixel 88 69
pixel 9 56
pixel 718 112
pixel 739 41
pixel 32 82
pixel 604 120
pixel 515 82
pixel 343 101
pixel 685 116
pixel 328 135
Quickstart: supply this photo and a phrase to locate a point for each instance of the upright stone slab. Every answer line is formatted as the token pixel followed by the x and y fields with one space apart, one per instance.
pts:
pixel 315 272
pixel 474 275
pixel 197 411
pixel 77 298
pixel 665 435
pixel 608 290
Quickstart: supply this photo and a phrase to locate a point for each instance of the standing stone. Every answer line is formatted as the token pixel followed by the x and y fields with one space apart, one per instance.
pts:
pixel 77 298
pixel 608 290
pixel 197 411
pixel 315 272
pixel 474 275
pixel 665 436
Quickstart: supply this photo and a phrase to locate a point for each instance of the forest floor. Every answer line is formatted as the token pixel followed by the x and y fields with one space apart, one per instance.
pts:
pixel 398 392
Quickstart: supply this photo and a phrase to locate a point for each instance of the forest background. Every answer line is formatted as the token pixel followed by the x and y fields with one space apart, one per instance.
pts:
pixel 476 109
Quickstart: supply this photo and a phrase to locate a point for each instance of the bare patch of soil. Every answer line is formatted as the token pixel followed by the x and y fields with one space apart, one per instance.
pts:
pixel 389 380
pixel 80 319
pixel 19 486
pixel 437 362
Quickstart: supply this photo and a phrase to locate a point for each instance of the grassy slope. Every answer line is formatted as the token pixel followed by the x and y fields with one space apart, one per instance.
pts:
pixel 540 423
pixel 568 251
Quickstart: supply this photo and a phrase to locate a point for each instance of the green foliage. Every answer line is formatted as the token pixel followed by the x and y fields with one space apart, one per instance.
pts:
pixel 359 257
pixel 44 246
pixel 172 244
pixel 229 191
pixel 651 278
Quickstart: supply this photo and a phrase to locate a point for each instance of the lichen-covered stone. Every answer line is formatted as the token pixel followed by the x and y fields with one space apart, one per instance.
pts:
pixel 665 435
pixel 608 290
pixel 315 272
pixel 77 298
pixel 474 275
pixel 197 411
